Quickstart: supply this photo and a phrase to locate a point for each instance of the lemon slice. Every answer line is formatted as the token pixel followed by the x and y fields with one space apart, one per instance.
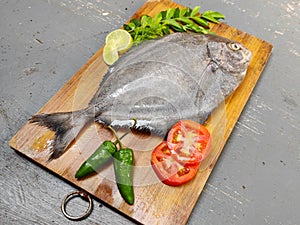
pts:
pixel 121 39
pixel 117 42
pixel 110 54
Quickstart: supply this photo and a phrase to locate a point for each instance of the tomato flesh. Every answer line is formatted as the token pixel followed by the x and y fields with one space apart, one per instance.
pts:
pixel 168 169
pixel 176 161
pixel 190 142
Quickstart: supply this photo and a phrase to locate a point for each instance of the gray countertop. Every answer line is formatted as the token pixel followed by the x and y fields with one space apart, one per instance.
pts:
pixel 257 177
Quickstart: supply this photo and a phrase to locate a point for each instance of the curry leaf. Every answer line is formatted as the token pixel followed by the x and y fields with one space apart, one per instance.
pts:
pixel 170 13
pixel 200 21
pixel 185 20
pixel 197 29
pixel 163 14
pixel 195 11
pixel 212 16
pixel 136 22
pixel 188 12
pixel 157 18
pixel 173 23
pixel 176 13
pixel 127 27
pixel 166 30
pixel 182 12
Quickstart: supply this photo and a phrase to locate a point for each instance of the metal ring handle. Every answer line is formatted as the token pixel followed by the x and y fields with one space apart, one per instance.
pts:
pixel 73 195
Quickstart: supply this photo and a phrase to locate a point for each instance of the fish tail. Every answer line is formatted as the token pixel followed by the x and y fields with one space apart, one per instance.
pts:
pixel 66 126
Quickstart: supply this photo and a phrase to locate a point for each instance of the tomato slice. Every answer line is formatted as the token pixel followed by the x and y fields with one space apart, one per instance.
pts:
pixel 168 169
pixel 190 142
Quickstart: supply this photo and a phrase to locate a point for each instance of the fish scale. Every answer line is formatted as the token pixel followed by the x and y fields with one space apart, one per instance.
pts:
pixel 159 82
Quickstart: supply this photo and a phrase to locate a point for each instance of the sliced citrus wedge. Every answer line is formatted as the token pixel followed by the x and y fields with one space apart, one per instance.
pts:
pixel 110 54
pixel 121 39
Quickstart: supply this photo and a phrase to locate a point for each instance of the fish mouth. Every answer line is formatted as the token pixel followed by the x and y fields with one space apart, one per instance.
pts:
pixel 247 54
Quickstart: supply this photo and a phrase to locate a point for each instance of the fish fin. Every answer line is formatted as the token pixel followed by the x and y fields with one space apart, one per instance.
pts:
pixel 141 130
pixel 66 126
pixel 206 82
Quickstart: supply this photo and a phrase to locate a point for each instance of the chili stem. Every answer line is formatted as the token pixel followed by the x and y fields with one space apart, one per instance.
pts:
pixel 116 136
pixel 134 124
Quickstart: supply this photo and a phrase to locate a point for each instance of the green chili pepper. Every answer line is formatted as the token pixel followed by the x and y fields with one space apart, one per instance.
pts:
pixel 98 159
pixel 123 166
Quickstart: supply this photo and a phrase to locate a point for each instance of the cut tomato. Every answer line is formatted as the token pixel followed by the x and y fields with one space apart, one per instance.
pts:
pixel 190 142
pixel 168 169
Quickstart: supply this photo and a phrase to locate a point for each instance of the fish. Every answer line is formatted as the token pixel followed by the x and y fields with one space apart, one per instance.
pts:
pixel 158 82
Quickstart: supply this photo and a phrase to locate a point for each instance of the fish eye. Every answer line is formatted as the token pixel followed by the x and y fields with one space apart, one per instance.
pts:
pixel 234 46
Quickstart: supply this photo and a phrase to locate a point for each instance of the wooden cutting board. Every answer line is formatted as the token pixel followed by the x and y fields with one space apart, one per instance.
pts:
pixel 155 202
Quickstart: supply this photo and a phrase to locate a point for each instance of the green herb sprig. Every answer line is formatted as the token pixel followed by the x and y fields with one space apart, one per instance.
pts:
pixel 171 20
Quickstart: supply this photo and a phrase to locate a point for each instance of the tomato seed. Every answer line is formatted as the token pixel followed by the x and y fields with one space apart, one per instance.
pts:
pixel 166 151
pixel 183 171
pixel 161 159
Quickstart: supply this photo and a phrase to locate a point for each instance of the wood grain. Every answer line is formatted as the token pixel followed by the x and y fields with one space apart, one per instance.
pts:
pixel 155 203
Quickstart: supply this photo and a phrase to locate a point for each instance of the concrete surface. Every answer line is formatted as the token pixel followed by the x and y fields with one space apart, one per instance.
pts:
pixel 257 178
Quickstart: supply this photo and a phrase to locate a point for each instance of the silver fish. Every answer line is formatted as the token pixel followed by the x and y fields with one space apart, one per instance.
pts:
pixel 159 82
